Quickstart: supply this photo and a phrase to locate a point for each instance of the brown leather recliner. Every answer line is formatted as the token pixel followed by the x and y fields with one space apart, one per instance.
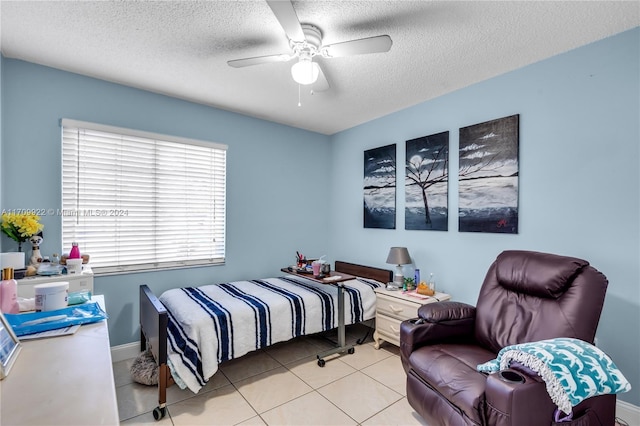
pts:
pixel 526 297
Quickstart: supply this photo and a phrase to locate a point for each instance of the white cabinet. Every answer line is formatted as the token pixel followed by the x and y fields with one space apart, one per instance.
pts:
pixel 393 307
pixel 77 282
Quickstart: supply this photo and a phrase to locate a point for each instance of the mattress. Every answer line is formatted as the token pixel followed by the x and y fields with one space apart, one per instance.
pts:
pixel 214 323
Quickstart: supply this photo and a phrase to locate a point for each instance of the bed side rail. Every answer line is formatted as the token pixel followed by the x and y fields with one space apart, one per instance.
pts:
pixel 153 324
pixel 153 332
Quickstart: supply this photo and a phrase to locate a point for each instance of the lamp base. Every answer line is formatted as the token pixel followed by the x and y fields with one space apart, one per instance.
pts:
pixel 398 278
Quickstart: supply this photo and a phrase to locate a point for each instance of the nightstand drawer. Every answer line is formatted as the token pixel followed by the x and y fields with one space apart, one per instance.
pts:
pixel 396 308
pixel 388 329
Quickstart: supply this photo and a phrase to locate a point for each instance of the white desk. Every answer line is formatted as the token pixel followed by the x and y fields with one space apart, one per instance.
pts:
pixel 64 380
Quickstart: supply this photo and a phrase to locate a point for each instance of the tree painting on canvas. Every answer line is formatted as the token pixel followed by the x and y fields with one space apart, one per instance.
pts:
pixel 380 187
pixel 488 176
pixel 427 182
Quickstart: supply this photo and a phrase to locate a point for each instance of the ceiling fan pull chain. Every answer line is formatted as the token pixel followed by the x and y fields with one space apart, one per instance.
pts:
pixel 299 104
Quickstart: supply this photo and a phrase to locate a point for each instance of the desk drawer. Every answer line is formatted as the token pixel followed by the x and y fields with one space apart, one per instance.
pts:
pixel 396 308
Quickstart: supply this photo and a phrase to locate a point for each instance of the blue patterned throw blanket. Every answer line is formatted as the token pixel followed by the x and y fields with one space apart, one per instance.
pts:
pixel 572 369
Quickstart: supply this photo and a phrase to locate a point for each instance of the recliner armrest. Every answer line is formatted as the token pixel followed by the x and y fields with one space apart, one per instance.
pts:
pixel 524 401
pixel 517 403
pixel 441 312
pixel 436 322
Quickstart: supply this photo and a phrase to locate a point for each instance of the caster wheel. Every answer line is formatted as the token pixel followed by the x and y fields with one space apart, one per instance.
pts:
pixel 351 350
pixel 321 363
pixel 158 413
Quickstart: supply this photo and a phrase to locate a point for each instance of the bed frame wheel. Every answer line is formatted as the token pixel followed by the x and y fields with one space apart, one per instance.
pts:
pixel 321 363
pixel 351 351
pixel 159 413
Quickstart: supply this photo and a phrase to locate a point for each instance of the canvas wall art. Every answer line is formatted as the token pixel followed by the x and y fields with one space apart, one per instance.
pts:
pixel 427 183
pixel 380 187
pixel 488 176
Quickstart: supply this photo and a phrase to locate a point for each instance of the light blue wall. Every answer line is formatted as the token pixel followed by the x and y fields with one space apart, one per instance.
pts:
pixel 579 181
pixel 268 164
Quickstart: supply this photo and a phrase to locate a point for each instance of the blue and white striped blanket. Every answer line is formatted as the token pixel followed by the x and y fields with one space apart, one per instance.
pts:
pixel 215 323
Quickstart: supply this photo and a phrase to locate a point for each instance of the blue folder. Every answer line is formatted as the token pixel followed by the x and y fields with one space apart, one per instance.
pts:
pixel 50 320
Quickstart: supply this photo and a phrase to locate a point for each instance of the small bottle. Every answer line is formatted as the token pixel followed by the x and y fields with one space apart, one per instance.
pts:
pixel 432 282
pixel 75 251
pixel 9 293
pixel 55 258
pixel 416 278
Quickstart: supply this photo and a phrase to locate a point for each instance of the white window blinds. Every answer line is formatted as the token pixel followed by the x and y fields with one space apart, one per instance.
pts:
pixel 137 201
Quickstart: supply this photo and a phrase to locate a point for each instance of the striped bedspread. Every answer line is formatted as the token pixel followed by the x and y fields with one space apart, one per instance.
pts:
pixel 215 323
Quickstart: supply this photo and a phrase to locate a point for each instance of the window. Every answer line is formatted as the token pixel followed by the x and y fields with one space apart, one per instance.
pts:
pixel 138 201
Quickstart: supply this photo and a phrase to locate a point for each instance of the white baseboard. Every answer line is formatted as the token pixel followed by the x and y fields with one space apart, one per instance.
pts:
pixel 628 412
pixel 126 351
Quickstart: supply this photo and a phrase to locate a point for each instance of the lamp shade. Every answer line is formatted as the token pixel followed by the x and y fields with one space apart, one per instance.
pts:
pixel 305 71
pixel 398 256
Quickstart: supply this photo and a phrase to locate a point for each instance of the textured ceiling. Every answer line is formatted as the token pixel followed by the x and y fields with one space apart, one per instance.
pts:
pixel 181 48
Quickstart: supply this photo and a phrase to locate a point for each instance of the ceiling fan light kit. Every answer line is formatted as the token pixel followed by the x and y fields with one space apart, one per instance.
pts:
pixel 305 41
pixel 305 71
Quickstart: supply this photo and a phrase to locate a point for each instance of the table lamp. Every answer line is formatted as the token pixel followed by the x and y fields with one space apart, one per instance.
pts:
pixel 398 256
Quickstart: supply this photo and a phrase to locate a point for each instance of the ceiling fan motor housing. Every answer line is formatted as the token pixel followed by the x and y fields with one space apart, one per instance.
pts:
pixel 309 47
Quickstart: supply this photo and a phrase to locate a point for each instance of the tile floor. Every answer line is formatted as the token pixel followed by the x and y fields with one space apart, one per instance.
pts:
pixel 283 385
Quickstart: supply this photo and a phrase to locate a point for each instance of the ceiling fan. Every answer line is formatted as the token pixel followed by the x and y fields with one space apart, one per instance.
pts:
pixel 305 41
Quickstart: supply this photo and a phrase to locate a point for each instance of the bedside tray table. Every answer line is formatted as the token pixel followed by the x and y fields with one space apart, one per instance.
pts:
pixel 334 278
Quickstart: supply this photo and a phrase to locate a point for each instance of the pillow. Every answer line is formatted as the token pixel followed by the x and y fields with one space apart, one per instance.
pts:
pixel 572 369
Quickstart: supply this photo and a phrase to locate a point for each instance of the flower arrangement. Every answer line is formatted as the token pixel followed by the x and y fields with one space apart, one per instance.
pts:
pixel 21 226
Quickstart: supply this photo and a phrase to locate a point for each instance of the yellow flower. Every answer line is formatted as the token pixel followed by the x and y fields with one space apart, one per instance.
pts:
pixel 20 227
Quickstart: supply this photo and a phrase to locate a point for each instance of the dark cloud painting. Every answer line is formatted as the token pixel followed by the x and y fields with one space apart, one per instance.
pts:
pixel 488 176
pixel 380 187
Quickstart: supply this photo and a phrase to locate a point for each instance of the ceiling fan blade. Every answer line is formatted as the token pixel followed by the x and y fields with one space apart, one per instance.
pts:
pixel 286 15
pixel 239 63
pixel 357 47
pixel 321 83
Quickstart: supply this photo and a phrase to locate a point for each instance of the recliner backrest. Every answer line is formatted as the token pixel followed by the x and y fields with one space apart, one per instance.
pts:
pixel 528 296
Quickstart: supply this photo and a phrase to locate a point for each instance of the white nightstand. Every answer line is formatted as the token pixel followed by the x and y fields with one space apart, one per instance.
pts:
pixel 393 307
